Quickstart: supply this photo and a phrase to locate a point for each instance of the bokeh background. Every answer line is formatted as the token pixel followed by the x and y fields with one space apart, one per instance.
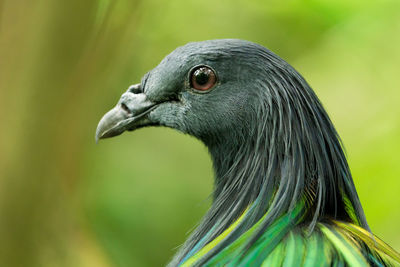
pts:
pixel 130 201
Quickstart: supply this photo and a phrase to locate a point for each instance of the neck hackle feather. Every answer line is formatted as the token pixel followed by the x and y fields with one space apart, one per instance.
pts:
pixel 284 194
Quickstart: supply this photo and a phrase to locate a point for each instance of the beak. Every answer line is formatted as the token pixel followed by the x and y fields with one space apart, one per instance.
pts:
pixel 129 114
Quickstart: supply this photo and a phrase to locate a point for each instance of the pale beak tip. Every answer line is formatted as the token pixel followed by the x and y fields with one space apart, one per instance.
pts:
pixel 98 136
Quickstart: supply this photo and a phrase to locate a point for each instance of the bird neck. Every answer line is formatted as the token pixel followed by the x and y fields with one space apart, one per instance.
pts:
pixel 266 173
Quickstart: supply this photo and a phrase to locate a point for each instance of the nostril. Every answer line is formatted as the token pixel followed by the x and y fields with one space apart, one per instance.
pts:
pixel 125 108
pixel 136 89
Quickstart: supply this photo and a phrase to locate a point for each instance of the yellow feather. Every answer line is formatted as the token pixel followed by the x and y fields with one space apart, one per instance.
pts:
pixel 369 239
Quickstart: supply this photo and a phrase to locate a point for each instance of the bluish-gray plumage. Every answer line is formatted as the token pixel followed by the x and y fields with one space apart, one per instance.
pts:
pixel 274 151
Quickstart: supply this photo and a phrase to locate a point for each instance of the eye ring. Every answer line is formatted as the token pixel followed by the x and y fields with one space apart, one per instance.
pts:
pixel 202 78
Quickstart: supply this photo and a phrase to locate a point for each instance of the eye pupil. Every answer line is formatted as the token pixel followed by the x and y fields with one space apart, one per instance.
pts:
pixel 202 78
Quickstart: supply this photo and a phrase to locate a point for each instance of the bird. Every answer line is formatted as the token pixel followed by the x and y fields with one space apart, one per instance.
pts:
pixel 283 192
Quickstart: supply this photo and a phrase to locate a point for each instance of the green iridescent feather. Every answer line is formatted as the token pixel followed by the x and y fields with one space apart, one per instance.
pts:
pixel 288 242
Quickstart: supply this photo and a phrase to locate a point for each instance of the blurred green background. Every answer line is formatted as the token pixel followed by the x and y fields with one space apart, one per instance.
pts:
pixel 130 201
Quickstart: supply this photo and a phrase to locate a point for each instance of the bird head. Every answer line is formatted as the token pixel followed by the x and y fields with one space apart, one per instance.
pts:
pixel 206 89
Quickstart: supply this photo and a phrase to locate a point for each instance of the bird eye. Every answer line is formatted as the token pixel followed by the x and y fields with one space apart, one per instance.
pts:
pixel 202 78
